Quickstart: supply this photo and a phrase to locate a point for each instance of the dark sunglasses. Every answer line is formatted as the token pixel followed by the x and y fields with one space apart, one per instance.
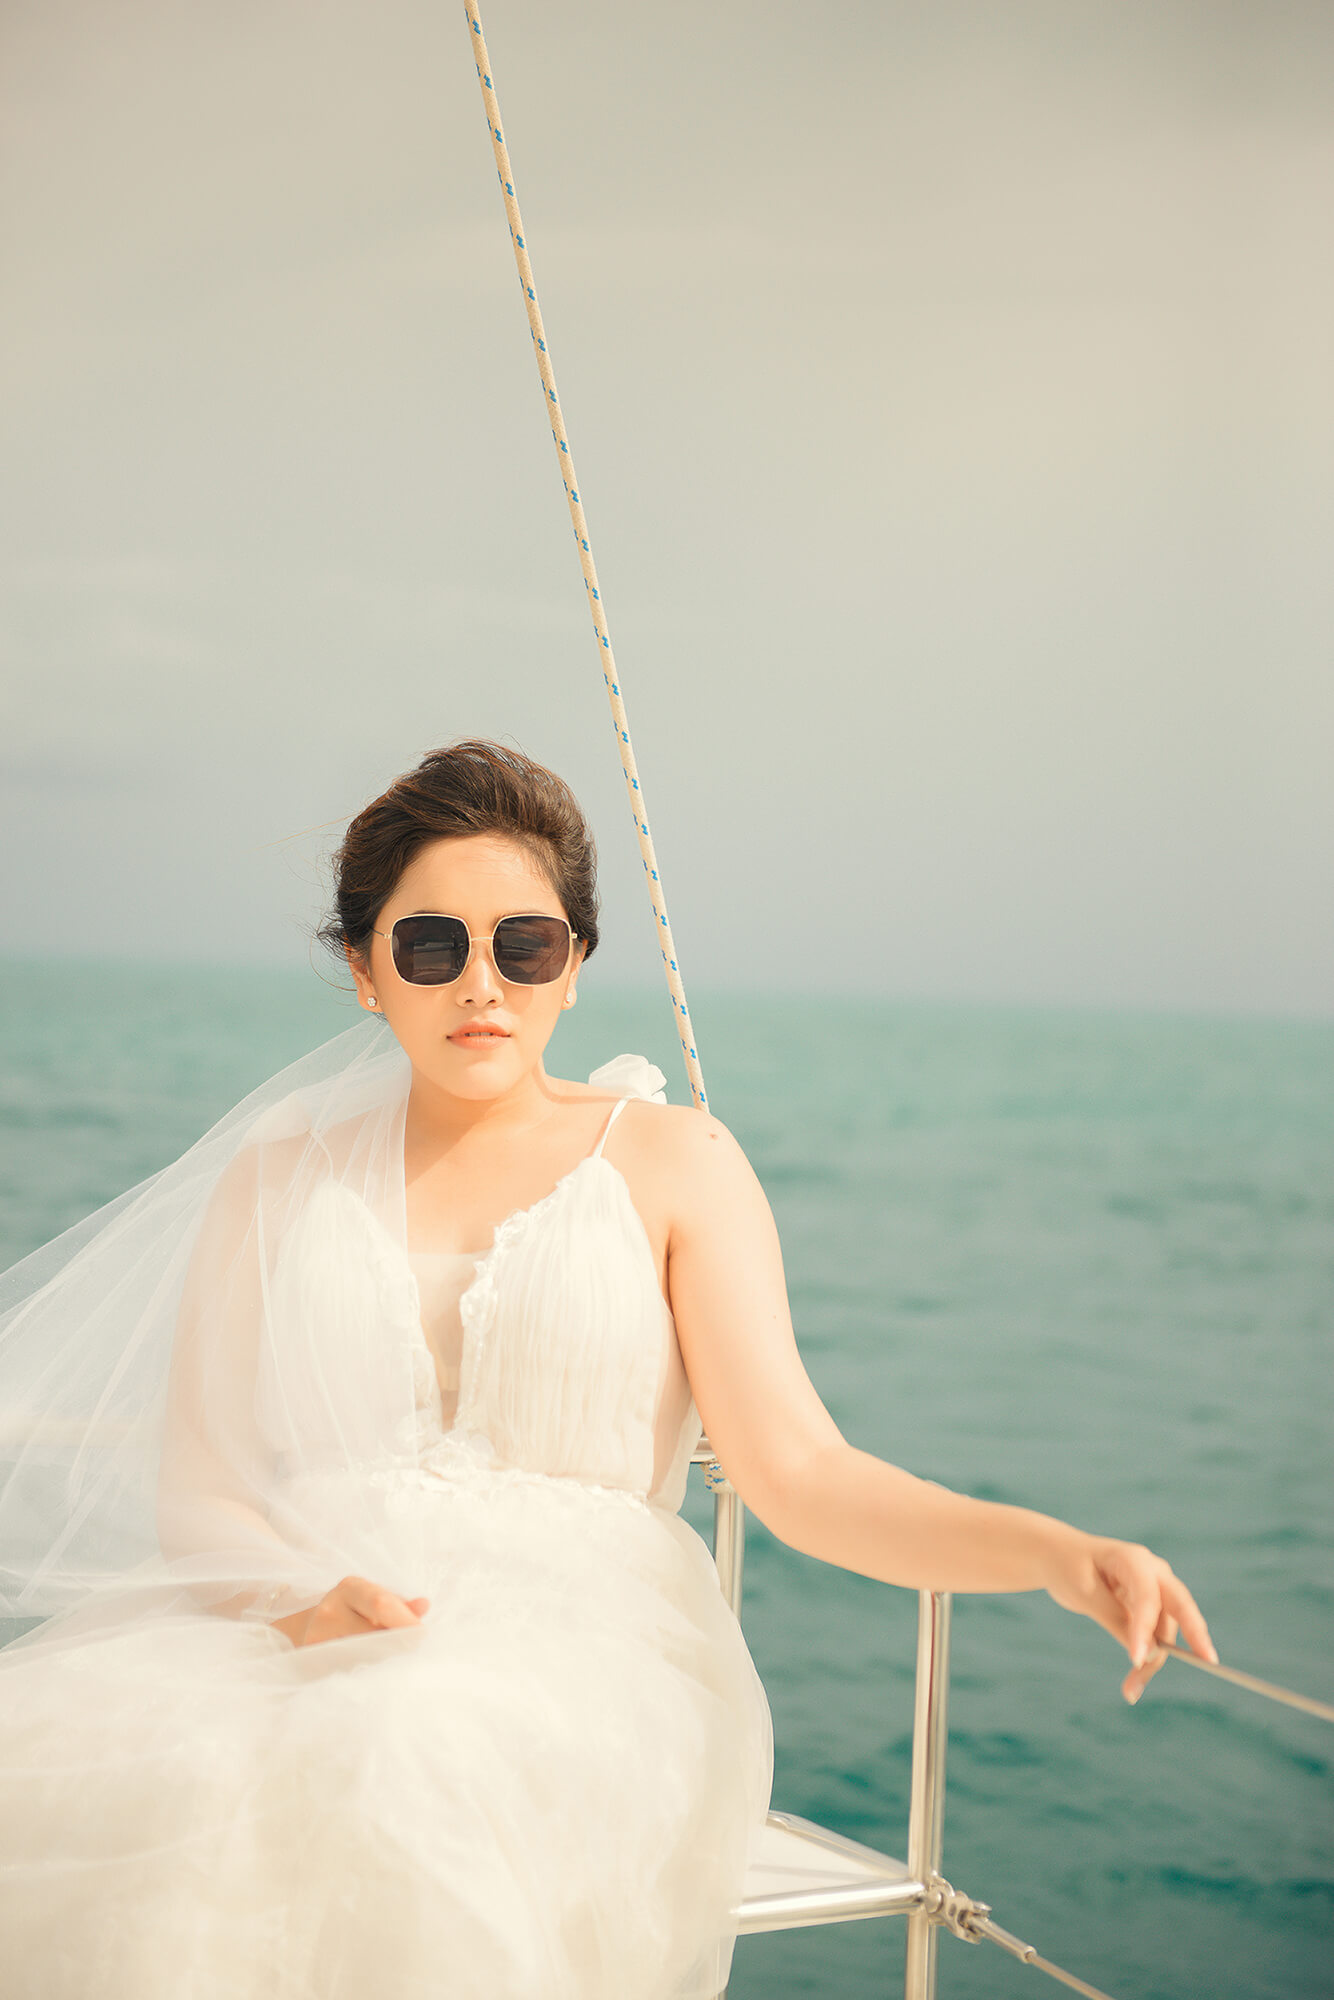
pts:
pixel 433 950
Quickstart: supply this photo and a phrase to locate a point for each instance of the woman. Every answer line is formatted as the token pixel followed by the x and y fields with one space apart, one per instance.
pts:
pixel 347 1459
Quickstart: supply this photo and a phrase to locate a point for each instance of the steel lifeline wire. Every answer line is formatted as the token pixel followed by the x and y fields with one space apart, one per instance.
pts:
pixel 954 1910
pixel 610 673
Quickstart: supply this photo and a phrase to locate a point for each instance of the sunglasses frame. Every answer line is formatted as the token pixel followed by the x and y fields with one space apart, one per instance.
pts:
pixel 473 942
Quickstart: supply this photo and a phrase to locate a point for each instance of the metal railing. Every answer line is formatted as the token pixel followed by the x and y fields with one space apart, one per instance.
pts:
pixel 882 1886
pixel 876 1884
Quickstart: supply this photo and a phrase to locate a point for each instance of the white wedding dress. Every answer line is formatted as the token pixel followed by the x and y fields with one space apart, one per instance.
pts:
pixel 548 1790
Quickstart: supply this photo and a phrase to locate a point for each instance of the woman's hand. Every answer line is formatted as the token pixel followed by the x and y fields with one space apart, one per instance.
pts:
pixel 1136 1597
pixel 352 1606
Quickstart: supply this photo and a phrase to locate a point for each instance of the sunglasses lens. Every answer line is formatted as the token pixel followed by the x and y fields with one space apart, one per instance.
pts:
pixel 430 951
pixel 531 951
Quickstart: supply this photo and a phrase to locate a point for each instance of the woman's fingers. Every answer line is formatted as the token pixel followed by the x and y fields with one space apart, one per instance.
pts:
pixel 357 1605
pixel 1135 1682
pixel 332 1619
pixel 1136 1596
pixel 1187 1611
pixel 1157 1605
pixel 1140 1578
pixel 379 1607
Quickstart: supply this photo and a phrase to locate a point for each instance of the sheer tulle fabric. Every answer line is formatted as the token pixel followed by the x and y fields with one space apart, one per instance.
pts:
pixel 218 1399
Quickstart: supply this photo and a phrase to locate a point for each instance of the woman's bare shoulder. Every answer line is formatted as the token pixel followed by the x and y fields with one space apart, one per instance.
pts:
pixel 686 1150
pixel 675 1154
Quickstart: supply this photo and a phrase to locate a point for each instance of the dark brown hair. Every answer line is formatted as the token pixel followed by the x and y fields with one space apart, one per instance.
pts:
pixel 471 786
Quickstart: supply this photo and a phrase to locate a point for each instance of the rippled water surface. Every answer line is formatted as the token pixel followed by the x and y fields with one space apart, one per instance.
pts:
pixel 1077 1262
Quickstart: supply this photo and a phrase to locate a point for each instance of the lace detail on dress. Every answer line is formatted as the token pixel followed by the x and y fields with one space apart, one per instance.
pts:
pixel 635 1076
pixel 478 1303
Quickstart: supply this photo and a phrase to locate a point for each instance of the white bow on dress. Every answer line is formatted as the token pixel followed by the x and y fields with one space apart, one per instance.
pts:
pixel 635 1076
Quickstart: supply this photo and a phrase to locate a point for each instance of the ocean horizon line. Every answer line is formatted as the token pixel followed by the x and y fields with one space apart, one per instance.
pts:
pixel 709 992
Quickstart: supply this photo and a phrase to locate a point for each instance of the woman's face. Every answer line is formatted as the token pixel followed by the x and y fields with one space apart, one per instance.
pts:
pixel 480 877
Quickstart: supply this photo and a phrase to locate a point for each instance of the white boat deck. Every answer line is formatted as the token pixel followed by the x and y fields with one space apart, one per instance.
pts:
pixel 802 1874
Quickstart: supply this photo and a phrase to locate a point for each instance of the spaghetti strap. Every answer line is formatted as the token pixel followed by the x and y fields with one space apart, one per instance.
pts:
pixel 613 1115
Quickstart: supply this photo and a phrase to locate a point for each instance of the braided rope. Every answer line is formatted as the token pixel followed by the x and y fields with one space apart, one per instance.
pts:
pixel 609 670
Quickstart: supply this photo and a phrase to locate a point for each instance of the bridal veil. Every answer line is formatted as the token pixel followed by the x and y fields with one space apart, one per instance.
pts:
pixel 156 1437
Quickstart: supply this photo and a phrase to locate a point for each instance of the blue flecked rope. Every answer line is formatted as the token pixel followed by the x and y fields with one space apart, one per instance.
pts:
pixel 609 670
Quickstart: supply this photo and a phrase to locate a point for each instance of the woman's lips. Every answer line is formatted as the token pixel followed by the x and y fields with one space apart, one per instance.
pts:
pixel 477 1038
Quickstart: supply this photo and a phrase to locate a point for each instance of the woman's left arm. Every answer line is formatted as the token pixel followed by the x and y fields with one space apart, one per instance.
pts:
pixel 793 1467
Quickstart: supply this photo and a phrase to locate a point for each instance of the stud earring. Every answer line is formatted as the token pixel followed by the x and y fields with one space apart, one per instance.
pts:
pixel 372 1001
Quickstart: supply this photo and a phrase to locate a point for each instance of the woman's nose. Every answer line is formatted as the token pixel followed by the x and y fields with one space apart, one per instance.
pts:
pixel 479 980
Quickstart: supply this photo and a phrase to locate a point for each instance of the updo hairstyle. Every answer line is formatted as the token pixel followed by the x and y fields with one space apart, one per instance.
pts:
pixel 471 786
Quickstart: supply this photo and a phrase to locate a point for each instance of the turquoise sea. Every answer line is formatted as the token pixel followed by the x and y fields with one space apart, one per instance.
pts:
pixel 1077 1261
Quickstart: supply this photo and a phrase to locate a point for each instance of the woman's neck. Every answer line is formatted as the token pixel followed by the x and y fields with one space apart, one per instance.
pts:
pixel 439 1119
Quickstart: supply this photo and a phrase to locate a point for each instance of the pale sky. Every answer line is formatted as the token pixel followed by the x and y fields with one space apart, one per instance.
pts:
pixel 951 389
